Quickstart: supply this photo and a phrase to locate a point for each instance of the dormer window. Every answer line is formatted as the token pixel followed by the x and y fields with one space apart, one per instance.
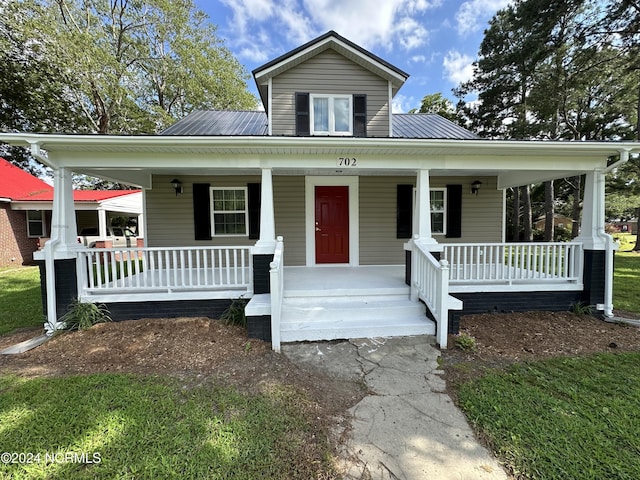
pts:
pixel 331 114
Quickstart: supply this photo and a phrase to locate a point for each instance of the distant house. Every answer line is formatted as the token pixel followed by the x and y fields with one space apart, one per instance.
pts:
pixel 624 226
pixel 559 221
pixel 334 216
pixel 26 203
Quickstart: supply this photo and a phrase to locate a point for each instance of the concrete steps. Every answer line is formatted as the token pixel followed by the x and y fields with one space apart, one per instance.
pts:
pixel 356 314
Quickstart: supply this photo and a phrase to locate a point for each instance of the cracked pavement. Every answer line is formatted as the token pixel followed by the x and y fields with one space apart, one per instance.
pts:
pixel 407 427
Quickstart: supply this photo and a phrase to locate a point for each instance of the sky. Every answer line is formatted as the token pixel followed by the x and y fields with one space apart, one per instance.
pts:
pixel 435 41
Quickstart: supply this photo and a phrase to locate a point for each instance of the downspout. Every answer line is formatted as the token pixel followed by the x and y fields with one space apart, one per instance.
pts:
pixel 52 324
pixel 610 247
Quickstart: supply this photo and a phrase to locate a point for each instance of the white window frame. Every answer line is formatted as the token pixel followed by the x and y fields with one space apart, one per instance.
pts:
pixel 41 221
pixel 245 211
pixel 443 211
pixel 332 126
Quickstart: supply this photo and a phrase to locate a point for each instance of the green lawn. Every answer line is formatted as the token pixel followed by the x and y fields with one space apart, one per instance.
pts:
pixel 567 418
pixel 626 282
pixel 20 299
pixel 123 426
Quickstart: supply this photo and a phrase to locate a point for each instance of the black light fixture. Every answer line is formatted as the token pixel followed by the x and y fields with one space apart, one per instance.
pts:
pixel 475 187
pixel 177 186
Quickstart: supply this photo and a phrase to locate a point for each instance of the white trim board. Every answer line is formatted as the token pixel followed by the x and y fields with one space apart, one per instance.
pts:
pixel 310 182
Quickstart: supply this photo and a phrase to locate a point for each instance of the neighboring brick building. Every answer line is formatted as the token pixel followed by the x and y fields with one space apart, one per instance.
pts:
pixel 25 211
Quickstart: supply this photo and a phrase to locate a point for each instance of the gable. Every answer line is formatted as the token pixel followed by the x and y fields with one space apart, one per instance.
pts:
pixel 329 73
pixel 330 40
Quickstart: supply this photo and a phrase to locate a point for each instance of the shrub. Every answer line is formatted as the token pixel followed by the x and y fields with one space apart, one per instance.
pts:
pixel 234 314
pixel 581 309
pixel 466 342
pixel 82 316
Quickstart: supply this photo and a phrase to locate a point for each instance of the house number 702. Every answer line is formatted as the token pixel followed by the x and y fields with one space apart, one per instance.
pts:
pixel 347 162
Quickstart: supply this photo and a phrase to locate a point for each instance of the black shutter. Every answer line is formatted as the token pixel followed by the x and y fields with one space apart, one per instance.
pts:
pixel 404 215
pixel 201 211
pixel 454 211
pixel 302 114
pixel 253 200
pixel 359 115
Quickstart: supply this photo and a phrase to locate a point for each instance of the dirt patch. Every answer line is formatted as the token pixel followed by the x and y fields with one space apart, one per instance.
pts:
pixel 190 348
pixel 502 339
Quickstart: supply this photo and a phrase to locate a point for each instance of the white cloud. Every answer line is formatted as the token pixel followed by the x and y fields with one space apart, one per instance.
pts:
pixel 387 24
pixel 401 104
pixel 458 67
pixel 473 14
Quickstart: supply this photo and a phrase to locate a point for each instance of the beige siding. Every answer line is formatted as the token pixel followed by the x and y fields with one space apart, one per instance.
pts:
pixel 170 217
pixel 481 215
pixel 288 200
pixel 330 73
pixel 378 242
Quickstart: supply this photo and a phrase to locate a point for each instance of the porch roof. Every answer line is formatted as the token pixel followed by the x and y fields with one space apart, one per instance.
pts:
pixel 134 159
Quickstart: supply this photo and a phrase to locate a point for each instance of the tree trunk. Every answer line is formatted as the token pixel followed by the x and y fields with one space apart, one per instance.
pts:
pixel 548 211
pixel 526 214
pixel 636 248
pixel 575 208
pixel 515 218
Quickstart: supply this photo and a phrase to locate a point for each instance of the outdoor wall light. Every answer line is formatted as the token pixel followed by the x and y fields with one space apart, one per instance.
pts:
pixel 475 187
pixel 177 186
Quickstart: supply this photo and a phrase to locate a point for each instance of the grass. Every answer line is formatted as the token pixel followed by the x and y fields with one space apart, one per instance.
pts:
pixel 20 299
pixel 153 427
pixel 626 282
pixel 567 418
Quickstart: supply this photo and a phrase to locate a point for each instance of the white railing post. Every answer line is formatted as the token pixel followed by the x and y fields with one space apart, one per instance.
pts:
pixel 276 276
pixel 442 297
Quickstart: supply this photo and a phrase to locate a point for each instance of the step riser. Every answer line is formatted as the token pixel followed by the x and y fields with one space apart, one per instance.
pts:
pixel 346 333
pixel 319 314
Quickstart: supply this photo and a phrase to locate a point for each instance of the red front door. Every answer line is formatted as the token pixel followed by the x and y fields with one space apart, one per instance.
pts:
pixel 332 224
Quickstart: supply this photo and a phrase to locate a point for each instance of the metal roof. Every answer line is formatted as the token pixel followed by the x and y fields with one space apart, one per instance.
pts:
pixel 220 122
pixel 428 125
pixel 233 123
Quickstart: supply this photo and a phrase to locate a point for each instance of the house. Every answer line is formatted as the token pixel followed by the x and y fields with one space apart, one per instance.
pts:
pixel 559 221
pixel 331 215
pixel 26 203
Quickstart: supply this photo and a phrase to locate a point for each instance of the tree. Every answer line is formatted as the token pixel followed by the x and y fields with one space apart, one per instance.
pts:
pixel 134 66
pixel 436 103
pixel 544 72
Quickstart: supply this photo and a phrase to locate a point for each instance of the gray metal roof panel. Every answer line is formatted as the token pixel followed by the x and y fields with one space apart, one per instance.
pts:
pixel 220 122
pixel 428 125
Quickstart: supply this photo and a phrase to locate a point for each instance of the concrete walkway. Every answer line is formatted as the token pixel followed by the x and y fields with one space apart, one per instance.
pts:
pixel 408 428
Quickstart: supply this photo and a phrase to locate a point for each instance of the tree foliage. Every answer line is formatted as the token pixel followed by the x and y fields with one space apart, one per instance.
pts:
pixel 119 66
pixel 436 103
pixel 560 70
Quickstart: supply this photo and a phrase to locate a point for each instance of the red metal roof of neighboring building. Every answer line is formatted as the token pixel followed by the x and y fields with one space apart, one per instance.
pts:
pixel 18 185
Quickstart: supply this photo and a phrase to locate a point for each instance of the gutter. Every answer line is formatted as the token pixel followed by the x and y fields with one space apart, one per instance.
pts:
pixel 610 246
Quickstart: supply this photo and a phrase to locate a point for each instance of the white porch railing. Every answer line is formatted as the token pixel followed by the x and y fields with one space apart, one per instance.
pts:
pixel 276 276
pixel 514 263
pixel 430 283
pixel 163 269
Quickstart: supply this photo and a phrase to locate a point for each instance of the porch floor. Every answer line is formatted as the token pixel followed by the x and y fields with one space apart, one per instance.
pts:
pixel 327 303
pixel 344 281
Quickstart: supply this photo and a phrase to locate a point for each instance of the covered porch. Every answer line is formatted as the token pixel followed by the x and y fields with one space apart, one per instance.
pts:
pixel 437 272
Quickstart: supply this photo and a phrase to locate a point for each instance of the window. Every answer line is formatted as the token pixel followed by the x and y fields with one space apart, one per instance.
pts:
pixel 229 211
pixel 438 210
pixel 331 115
pixel 35 223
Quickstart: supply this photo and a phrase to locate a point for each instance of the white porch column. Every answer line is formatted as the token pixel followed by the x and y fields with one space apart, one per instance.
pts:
pixel 267 240
pixel 592 234
pixel 422 216
pixel 62 245
pixel 102 222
